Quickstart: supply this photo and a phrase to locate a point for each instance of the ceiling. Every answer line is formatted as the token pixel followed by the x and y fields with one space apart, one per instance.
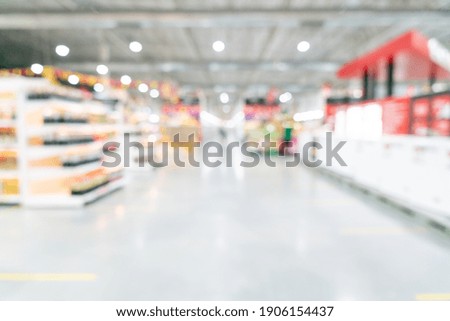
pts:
pixel 260 37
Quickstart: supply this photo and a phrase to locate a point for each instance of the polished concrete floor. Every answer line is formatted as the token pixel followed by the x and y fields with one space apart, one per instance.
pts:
pixel 222 234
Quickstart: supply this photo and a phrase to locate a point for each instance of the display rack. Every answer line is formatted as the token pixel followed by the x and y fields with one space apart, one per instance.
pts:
pixel 9 160
pixel 143 129
pixel 60 136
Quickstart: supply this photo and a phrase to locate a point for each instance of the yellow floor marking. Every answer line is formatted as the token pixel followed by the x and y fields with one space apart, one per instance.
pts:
pixel 381 230
pixel 433 297
pixel 55 277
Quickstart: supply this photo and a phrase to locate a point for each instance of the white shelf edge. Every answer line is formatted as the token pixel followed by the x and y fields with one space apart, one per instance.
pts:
pixel 58 201
pixel 8 146
pixel 4 173
pixel 8 123
pixel 36 173
pixel 9 199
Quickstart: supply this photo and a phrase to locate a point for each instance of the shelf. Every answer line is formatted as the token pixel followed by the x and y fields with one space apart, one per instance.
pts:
pixel 36 173
pixel 9 174
pixel 4 146
pixel 6 101
pixel 84 128
pixel 9 199
pixel 7 123
pixel 55 105
pixel 36 152
pixel 77 106
pixel 55 100
pixel 59 201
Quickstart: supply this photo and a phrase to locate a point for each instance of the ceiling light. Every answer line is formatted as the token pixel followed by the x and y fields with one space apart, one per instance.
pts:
pixel 154 93
pixel 62 50
pixel 224 98
pixel 37 69
pixel 143 88
pixel 125 80
pixel 102 69
pixel 303 46
pixel 73 80
pixel 135 46
pixel 284 98
pixel 218 46
pixel 99 87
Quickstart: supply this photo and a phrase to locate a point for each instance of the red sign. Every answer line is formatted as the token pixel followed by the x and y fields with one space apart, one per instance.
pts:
pixel 421 111
pixel 330 114
pixel 395 116
pixel 441 115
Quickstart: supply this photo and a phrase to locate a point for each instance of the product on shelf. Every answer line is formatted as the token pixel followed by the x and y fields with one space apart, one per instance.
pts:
pixel 59 139
pixel 70 138
pixel 9 186
pixel 100 118
pixel 7 135
pixel 62 116
pixel 7 113
pixel 8 160
pixel 59 92
pixel 7 95
pixel 91 181
pixel 52 161
pixel 67 118
pixel 58 134
pixel 78 160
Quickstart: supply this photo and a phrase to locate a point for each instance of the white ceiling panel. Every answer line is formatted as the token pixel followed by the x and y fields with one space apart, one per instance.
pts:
pixel 260 36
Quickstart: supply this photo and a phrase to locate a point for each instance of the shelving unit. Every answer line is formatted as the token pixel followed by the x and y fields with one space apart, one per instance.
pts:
pixel 140 129
pixel 60 139
pixel 9 164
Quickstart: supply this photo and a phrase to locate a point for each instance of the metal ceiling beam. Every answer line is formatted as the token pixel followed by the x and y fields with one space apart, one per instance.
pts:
pixel 216 18
pixel 212 66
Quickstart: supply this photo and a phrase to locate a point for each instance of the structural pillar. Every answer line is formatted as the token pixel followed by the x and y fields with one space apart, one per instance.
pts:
pixel 365 84
pixel 390 83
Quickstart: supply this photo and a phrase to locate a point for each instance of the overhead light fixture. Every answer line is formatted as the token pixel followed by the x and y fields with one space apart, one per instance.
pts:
pixel 303 46
pixel 218 46
pixel 62 50
pixel 102 69
pixel 99 87
pixel 135 46
pixel 309 115
pixel 143 88
pixel 224 98
pixel 284 98
pixel 37 69
pixel 73 79
pixel 154 93
pixel 125 80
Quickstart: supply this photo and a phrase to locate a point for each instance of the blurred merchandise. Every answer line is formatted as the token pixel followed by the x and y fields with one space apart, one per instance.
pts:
pixel 8 160
pixel 61 144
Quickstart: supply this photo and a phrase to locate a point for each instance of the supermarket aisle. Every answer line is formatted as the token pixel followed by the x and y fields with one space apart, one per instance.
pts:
pixel 220 234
